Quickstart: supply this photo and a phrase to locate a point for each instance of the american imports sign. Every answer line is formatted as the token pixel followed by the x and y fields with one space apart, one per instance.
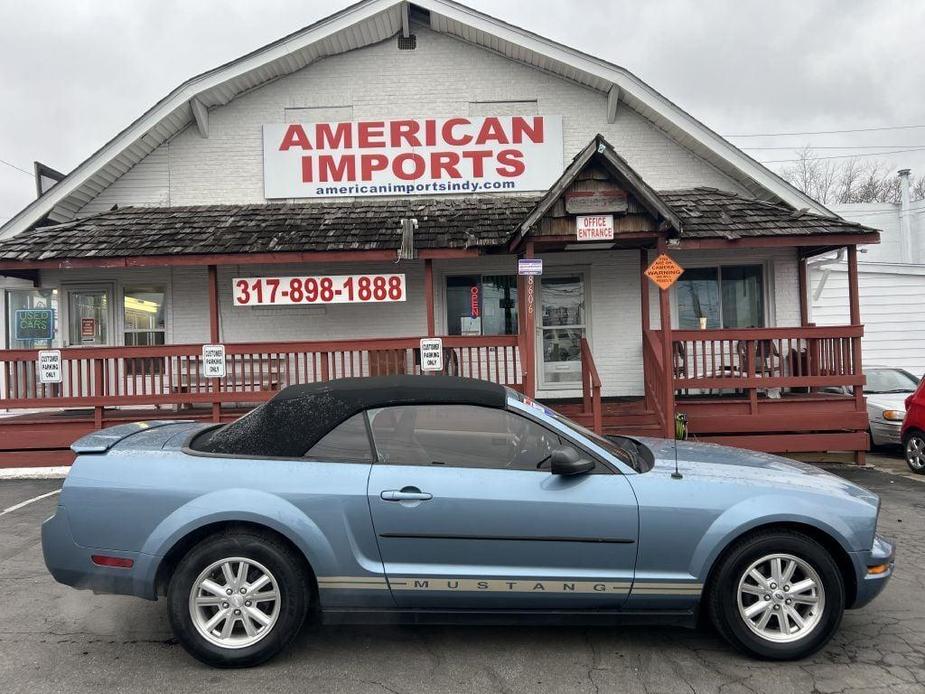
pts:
pixel 412 156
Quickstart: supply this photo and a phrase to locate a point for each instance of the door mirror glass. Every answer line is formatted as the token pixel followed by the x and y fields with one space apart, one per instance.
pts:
pixel 566 460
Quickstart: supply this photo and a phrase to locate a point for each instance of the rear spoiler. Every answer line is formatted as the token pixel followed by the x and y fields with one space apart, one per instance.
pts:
pixel 102 441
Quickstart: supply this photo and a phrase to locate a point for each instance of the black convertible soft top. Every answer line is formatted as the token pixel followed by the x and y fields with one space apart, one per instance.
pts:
pixel 299 416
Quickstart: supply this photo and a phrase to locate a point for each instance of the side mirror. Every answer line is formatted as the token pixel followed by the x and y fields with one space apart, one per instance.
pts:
pixel 565 460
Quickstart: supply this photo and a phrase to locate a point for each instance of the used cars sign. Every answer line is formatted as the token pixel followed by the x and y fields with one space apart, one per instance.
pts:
pixel 423 156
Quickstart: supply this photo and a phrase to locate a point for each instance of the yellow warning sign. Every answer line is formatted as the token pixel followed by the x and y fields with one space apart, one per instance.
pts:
pixel 664 271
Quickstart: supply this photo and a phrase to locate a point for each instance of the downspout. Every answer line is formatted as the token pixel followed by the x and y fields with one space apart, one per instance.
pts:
pixel 826 271
pixel 907 244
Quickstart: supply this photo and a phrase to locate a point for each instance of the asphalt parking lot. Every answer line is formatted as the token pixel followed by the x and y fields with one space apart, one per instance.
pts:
pixel 54 639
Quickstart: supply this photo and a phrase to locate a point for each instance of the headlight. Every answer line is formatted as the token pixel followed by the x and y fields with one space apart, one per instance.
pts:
pixel 894 415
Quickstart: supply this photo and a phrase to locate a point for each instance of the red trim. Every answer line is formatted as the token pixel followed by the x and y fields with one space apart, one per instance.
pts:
pixel 429 297
pixel 822 240
pixel 236 259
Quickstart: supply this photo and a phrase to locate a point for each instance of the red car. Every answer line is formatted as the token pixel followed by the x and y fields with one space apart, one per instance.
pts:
pixel 913 431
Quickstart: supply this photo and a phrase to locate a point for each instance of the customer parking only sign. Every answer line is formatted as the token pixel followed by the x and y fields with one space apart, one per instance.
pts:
pixel 412 156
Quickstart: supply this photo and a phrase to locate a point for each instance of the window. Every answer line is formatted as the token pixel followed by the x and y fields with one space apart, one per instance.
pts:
pixel 32 316
pixel 349 441
pixel 481 305
pixel 460 436
pixel 721 297
pixel 880 381
pixel 143 318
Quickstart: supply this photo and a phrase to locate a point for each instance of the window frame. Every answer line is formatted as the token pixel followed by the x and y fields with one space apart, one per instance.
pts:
pixel 601 466
pixel 128 288
pixel 767 294
pixel 481 274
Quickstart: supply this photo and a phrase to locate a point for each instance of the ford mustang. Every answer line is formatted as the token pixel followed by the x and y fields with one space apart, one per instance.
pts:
pixel 440 499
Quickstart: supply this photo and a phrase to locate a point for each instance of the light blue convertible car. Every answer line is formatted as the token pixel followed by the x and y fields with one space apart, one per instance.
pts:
pixel 440 499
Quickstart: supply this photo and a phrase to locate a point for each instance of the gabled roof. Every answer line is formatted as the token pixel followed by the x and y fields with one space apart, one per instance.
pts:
pixel 601 152
pixel 363 24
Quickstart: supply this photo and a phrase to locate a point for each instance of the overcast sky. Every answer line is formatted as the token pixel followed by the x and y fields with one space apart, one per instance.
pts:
pixel 73 73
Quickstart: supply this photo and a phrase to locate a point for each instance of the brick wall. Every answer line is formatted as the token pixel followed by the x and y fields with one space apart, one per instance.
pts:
pixel 442 77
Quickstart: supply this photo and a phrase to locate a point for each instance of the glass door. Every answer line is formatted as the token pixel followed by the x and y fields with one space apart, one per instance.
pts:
pixel 562 325
pixel 89 317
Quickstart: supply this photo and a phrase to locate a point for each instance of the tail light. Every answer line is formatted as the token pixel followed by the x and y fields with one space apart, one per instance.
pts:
pixel 116 562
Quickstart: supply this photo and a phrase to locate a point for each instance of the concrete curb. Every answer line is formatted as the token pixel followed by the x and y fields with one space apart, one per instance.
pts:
pixel 34 473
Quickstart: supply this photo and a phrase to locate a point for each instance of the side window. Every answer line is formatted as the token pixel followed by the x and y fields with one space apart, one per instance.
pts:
pixel 460 436
pixel 348 442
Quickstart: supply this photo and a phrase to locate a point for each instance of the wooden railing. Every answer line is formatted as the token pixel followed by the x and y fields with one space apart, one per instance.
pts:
pixel 171 374
pixel 767 358
pixel 654 374
pixel 590 387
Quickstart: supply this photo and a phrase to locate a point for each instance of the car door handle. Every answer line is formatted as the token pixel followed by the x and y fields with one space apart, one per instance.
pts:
pixel 405 494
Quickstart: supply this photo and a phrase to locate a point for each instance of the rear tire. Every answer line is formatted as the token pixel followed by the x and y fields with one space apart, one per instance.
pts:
pixel 914 450
pixel 238 598
pixel 777 595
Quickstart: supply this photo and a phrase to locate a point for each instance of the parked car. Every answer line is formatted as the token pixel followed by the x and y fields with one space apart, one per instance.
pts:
pixel 886 390
pixel 913 431
pixel 441 499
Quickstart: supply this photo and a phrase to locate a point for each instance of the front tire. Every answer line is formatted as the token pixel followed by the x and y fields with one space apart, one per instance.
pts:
pixel 914 448
pixel 237 599
pixel 777 595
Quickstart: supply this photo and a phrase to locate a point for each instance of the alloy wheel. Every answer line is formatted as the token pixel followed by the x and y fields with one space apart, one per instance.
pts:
pixel 235 602
pixel 915 452
pixel 781 598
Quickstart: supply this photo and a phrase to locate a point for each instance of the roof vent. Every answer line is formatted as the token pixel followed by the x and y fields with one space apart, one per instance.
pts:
pixel 407 43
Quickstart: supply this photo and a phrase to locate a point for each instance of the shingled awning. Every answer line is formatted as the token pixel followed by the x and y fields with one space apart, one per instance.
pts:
pixel 713 213
pixel 486 222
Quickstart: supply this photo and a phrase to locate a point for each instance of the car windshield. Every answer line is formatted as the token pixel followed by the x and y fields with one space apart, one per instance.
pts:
pixel 889 381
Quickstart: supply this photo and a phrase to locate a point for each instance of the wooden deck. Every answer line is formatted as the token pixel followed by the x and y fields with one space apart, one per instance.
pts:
pixel 754 388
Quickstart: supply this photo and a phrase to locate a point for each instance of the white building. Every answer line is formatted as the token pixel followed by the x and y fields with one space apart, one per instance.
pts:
pixel 892 282
pixel 136 258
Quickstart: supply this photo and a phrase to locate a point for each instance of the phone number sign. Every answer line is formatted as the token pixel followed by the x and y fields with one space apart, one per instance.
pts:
pixel 319 289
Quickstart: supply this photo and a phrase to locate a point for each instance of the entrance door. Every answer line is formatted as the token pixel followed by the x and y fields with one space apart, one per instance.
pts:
pixel 89 317
pixel 562 325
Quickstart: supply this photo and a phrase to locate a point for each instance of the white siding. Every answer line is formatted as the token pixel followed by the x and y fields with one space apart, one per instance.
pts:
pixel 891 311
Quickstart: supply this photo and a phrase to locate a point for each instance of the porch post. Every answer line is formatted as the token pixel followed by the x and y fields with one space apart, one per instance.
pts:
pixel 804 291
pixel 854 308
pixel 525 297
pixel 214 333
pixel 644 319
pixel 429 296
pixel 664 307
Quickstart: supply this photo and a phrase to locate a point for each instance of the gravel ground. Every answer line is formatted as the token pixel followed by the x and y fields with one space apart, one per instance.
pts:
pixel 54 639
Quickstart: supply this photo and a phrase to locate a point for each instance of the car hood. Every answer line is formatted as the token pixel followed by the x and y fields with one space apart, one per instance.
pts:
pixel 763 471
pixel 888 401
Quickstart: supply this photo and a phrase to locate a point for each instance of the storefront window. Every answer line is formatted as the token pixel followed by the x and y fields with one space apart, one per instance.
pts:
pixel 32 316
pixel 721 297
pixel 481 305
pixel 144 322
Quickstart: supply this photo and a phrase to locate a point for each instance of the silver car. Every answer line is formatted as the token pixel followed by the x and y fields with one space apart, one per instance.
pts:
pixel 886 391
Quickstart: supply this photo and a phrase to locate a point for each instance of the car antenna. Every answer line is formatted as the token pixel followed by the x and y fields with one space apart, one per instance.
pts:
pixel 680 422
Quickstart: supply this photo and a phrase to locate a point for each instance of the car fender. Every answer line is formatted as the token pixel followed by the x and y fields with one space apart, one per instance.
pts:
pixel 753 513
pixel 242 505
